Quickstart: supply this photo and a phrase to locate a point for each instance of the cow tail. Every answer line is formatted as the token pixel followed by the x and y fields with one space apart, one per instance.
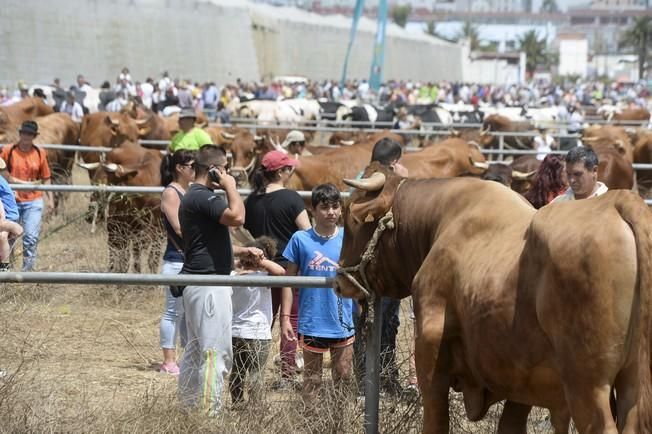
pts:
pixel 636 214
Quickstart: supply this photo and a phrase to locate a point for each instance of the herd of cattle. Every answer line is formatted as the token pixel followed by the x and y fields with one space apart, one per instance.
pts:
pixel 537 322
pixel 130 163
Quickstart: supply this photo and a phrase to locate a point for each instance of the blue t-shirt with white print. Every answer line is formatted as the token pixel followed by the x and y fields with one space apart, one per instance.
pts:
pixel 318 311
pixel 8 200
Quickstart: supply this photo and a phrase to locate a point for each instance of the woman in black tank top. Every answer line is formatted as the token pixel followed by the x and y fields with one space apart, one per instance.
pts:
pixel 176 174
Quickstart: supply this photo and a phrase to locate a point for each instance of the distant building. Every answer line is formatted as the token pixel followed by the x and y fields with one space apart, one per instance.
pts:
pixel 618 5
pixel 573 54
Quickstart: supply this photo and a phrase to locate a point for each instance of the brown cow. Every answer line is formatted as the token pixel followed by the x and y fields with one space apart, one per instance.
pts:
pixel 134 218
pixel 609 135
pixel 346 138
pixel 614 169
pixel 498 123
pixel 552 309
pixel 633 114
pixel 507 174
pixel 12 116
pixel 107 129
pixel 643 155
pixel 452 157
pixel 58 128
pixel 152 125
pixel 446 159
pixel 220 136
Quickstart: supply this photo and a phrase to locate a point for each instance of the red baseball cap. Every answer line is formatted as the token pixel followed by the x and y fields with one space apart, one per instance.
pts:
pixel 275 160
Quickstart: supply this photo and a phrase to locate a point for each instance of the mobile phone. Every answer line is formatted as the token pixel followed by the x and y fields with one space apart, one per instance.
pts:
pixel 214 175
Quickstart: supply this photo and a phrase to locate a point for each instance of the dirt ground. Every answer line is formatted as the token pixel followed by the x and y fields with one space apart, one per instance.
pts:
pixel 85 359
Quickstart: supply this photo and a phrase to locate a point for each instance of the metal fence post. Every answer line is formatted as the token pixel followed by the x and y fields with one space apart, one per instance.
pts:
pixel 372 369
pixel 501 147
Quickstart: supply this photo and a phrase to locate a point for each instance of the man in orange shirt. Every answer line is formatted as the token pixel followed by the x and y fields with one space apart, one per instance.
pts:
pixel 28 164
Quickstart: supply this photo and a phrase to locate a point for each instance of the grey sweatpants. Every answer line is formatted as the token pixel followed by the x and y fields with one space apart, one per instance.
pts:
pixel 207 360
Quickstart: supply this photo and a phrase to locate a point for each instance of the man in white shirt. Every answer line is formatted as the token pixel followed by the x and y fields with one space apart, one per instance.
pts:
pixel 72 107
pixel 148 91
pixel 543 143
pixel 164 83
pixel 582 172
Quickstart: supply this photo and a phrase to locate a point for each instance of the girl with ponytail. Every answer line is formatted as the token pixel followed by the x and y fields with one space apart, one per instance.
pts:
pixel 177 172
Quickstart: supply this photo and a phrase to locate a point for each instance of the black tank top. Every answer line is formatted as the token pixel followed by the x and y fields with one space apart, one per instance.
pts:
pixel 174 247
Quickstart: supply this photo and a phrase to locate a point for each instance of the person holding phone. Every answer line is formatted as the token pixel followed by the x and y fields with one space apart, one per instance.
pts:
pixel 205 218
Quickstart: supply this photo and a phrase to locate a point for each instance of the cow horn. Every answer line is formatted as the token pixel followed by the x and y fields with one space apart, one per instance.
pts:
pixel 374 183
pixel 590 139
pixel 479 165
pixel 483 131
pixel 227 136
pixel 110 167
pixel 347 142
pixel 114 122
pixel 258 138
pixel 522 175
pixel 88 166
pixel 455 133
pixel 475 145
pixel 142 122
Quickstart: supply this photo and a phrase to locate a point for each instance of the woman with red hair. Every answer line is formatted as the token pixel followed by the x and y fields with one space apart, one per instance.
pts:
pixel 549 181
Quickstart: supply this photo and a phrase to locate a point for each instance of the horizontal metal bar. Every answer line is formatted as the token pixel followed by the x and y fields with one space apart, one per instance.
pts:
pixel 126 189
pixel 63 147
pixel 404 132
pixel 154 142
pixel 555 124
pixel 166 279
pixel 519 152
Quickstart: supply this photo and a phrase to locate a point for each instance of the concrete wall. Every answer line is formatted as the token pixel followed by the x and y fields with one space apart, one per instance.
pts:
pixel 201 39
pixel 41 40
pixel 295 42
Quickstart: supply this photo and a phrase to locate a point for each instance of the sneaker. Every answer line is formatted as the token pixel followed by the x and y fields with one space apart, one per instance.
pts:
pixel 4 267
pixel 169 368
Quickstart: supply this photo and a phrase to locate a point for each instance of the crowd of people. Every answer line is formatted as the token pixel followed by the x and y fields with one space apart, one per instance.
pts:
pixel 226 332
pixel 167 95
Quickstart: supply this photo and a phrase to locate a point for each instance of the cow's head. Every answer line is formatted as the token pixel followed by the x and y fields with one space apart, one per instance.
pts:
pixel 485 137
pixel 502 173
pixel 247 150
pixel 372 198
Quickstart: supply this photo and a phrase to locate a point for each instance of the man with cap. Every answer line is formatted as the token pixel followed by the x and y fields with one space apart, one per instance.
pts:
pixel 295 144
pixel 27 164
pixel 189 136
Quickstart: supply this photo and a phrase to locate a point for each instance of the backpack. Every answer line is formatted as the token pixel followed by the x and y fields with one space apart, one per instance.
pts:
pixel 11 151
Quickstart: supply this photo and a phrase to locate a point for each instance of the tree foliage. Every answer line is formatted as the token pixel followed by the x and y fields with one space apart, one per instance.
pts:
pixel 401 13
pixel 470 32
pixel 549 6
pixel 535 49
pixel 639 38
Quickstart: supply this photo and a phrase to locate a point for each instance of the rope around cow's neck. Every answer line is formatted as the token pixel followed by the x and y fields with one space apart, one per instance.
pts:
pixel 385 222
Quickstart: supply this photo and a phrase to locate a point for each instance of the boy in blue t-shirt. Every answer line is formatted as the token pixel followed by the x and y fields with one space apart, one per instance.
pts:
pixel 325 319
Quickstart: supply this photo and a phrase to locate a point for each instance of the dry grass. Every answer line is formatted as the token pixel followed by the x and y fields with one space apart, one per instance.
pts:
pixel 85 359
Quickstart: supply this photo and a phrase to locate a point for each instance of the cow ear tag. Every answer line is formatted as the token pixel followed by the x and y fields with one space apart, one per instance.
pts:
pixel 369 219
